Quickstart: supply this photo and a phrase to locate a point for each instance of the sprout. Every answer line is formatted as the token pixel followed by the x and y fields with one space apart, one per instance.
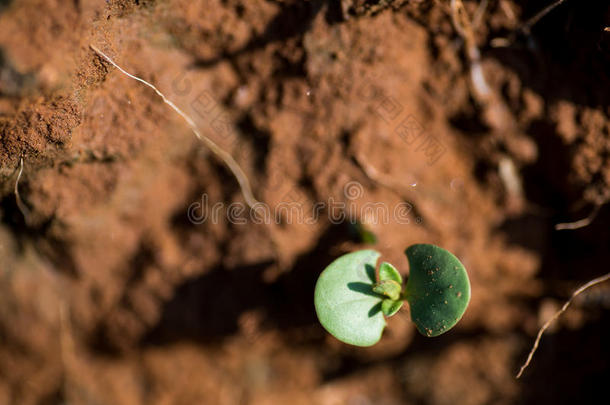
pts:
pixel 352 303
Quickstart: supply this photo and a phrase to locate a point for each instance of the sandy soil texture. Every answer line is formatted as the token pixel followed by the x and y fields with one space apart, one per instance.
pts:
pixel 131 270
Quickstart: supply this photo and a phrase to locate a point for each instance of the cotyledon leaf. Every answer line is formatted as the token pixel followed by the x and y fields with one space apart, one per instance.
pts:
pixel 438 289
pixel 345 302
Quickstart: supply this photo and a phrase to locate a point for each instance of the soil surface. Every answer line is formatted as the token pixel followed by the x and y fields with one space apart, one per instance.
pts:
pixel 131 270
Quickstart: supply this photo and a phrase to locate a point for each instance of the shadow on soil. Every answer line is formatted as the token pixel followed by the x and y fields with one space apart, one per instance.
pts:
pixel 569 42
pixel 207 308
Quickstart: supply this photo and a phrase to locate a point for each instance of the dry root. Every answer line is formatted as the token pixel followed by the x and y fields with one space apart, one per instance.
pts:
pixel 20 204
pixel 548 323
pixel 227 159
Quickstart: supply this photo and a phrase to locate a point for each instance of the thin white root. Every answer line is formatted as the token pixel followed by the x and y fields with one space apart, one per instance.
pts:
pixel 548 323
pixel 228 160
pixel 526 27
pixel 580 223
pixel 20 204
pixel 480 13
pixel 464 27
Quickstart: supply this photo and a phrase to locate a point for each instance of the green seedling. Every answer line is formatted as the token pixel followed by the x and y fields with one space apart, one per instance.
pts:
pixel 352 302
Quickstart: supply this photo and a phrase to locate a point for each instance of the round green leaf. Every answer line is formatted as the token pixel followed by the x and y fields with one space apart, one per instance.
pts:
pixel 438 289
pixel 345 302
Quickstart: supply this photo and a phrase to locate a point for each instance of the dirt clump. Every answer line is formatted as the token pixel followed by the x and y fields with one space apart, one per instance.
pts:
pixel 140 276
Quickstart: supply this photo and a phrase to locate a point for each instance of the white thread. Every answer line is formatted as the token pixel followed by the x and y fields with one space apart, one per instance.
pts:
pixel 228 160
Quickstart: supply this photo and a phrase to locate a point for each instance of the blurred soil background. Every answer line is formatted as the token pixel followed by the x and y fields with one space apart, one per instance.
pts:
pixel 111 294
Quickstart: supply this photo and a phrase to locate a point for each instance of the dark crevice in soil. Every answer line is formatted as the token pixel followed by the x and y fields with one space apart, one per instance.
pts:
pixel 207 308
pixel 12 82
pixel 564 44
pixel 548 182
pixel 261 139
pixel 293 21
pixel 577 361
pixel 54 249
pixel 578 255
pixel 13 218
pixel 471 123
pixel 334 12
pixel 4 4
